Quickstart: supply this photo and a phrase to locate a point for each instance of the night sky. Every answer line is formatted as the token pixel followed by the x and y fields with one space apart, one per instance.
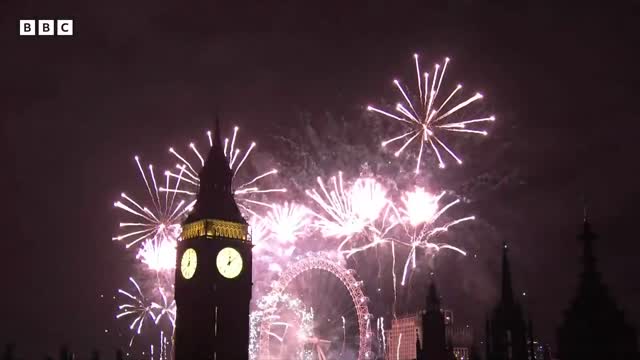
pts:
pixel 140 76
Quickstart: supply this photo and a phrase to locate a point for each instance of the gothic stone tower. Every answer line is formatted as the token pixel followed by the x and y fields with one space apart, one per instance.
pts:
pixel 434 343
pixel 213 270
pixel 594 326
pixel 507 329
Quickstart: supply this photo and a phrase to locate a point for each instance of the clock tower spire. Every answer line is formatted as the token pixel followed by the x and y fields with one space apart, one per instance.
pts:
pixel 213 269
pixel 215 197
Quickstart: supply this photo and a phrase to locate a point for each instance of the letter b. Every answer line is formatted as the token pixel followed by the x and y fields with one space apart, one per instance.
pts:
pixel 27 27
pixel 45 27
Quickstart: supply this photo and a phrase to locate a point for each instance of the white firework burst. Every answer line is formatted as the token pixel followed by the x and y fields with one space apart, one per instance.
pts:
pixel 158 222
pixel 138 308
pixel 429 116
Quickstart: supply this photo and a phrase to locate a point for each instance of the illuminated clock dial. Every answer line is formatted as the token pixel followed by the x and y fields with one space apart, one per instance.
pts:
pixel 229 262
pixel 189 263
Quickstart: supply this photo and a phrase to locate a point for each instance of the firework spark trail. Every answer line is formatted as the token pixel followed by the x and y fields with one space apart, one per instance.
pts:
pixel 161 223
pixel 163 346
pixel 167 308
pixel 379 231
pixel 384 338
pixel 344 335
pixel 395 280
pixel 188 175
pixel 426 120
pixel 138 308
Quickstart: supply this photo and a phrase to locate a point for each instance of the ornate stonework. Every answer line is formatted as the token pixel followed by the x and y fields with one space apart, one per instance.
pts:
pixel 215 228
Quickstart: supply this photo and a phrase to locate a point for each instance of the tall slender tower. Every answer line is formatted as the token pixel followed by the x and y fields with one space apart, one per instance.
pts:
pixel 213 270
pixel 506 329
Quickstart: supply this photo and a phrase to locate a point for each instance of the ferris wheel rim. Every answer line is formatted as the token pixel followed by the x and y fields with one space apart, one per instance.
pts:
pixel 348 280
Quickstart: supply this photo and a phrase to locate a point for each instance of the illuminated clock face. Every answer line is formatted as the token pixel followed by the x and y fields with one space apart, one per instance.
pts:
pixel 189 263
pixel 229 262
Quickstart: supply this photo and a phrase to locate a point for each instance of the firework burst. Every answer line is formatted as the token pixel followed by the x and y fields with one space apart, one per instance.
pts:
pixel 167 308
pixel 363 216
pixel 429 116
pixel 275 235
pixel 159 222
pixel 287 221
pixel 138 308
pixel 348 212
pixel 158 254
pixel 189 182
pixel 286 224
pixel 420 211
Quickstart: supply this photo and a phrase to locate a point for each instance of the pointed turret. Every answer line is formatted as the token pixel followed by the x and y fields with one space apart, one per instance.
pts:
pixel 587 237
pixel 215 198
pixel 217 134
pixel 507 288
pixel 507 328
pixel 433 300
pixel 434 346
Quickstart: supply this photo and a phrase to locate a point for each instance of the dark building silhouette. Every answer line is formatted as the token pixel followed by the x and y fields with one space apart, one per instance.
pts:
pixel 430 333
pixel 65 353
pixel 506 329
pixel 474 354
pixel 434 344
pixel 213 272
pixel 9 352
pixel 594 326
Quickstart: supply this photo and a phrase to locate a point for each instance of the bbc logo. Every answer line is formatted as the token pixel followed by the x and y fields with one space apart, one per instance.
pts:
pixel 46 27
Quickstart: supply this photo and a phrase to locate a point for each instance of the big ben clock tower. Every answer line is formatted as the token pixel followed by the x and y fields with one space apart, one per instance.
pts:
pixel 213 270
